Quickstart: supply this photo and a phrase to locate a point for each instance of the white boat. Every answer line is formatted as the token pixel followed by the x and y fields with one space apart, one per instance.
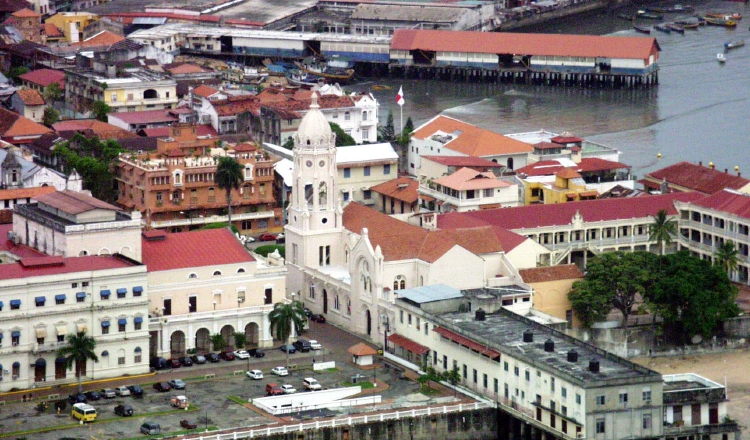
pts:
pixel 720 57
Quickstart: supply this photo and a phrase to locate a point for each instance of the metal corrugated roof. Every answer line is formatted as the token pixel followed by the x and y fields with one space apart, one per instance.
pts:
pixel 426 294
pixel 150 20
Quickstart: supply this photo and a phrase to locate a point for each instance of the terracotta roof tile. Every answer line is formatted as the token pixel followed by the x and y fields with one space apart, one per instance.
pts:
pixel 52 31
pixel 103 38
pixel 201 130
pixel 403 188
pixel 32 266
pixel 467 178
pixel 44 77
pixel 236 105
pixel 31 97
pixel 727 201
pixel 144 117
pixel 551 273
pixel 23 193
pixel 472 140
pixel 325 102
pixel 362 349
pixel 185 68
pixel 12 124
pixel 101 129
pixel 205 91
pixel 72 202
pixel 25 13
pixel 587 165
pixel 462 161
pixel 698 178
pixel 210 247
pixel 509 240
pixel 568 173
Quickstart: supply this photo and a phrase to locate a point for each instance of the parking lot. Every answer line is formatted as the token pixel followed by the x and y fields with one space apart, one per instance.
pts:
pixel 208 387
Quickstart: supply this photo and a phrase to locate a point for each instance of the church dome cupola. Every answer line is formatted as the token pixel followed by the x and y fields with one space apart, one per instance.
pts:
pixel 314 130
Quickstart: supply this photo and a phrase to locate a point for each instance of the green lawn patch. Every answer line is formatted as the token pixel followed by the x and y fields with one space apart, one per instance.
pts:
pixel 237 399
pixel 429 391
pixel 364 384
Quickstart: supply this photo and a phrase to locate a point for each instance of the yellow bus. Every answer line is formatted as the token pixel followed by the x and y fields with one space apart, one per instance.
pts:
pixel 84 412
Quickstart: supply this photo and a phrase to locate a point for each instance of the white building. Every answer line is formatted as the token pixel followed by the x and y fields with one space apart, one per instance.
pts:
pixel 44 299
pixel 468 190
pixel 18 172
pixel 360 167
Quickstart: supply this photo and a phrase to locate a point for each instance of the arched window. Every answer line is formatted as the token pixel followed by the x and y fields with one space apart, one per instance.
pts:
pixel 241 270
pixel 364 115
pixel 193 275
pixel 217 273
pixel 364 270
pixel 399 282
pixel 105 353
pixel 248 172
pixel 510 163
pixel 336 304
pixel 138 355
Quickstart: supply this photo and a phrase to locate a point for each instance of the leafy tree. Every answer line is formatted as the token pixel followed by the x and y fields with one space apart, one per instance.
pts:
pixel 284 319
pixel 430 376
pixel 17 71
pixel 95 160
pixel 228 177
pixel 588 303
pixel 662 230
pixel 53 92
pixel 409 126
pixel 218 342
pixel 79 350
pixel 50 117
pixel 240 340
pixel 99 110
pixel 726 257
pixel 289 144
pixel 342 139
pixel 388 131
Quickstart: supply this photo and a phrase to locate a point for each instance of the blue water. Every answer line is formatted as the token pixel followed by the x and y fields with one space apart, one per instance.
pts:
pixel 698 112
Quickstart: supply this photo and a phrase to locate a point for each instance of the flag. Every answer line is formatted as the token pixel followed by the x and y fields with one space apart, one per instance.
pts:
pixel 400 97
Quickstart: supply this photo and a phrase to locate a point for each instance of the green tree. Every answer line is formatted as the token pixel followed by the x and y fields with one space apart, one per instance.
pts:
pixel 289 144
pixel 409 126
pixel 430 376
pixel 726 257
pixel 17 71
pixel 78 351
pixel 240 340
pixel 388 131
pixel 588 303
pixel 95 160
pixel 284 319
pixel 99 110
pixel 218 342
pixel 50 116
pixel 228 177
pixel 53 92
pixel 453 377
pixel 342 139
pixel 662 230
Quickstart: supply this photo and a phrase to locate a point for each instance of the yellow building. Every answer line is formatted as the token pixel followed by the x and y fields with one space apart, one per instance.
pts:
pixel 129 90
pixel 551 286
pixel 569 186
pixel 72 24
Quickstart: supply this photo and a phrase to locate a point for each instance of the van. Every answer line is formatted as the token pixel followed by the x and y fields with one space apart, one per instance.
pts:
pixel 84 412
pixel 302 345
pixel 312 384
pixel 150 428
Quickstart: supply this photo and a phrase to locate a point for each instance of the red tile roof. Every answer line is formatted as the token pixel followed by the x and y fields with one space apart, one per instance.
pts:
pixel 145 117
pixel 35 266
pixel 25 193
pixel 31 97
pixel 25 13
pixel 407 343
pixel 362 349
pixel 467 178
pixel 210 247
pixel 525 44
pixel 44 77
pixel 236 105
pixel 185 68
pixel 103 38
pixel 19 250
pixel 204 91
pixel 403 188
pixel 559 214
pixel 509 240
pixel 551 273
pixel 201 130
pixel 697 178
pixel 472 140
pixel 462 161
pixel 466 342
pixel 12 124
pixel 587 165
pixel 99 128
pixel 52 31
pixel 727 201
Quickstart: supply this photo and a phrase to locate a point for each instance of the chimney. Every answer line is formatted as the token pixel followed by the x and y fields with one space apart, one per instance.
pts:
pixel 726 170
pixel 700 163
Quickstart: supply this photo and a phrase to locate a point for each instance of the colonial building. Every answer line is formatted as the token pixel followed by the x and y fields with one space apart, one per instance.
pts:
pixel 174 187
pixel 397 196
pixel 685 176
pixel 551 285
pixel 361 167
pixel 19 130
pixel 18 172
pixel 29 103
pixel 468 190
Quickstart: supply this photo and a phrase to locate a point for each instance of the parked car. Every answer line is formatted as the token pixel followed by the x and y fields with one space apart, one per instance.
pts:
pixel 77 398
pixel 227 355
pixel 289 348
pixel 212 357
pixel 308 312
pixel 150 428
pixel 135 390
pixel 108 393
pixel 256 352
pixel 175 363
pixel 288 389
pixel 162 387
pixel 315 345
pixel 280 371
pixel 92 395
pixel 198 359
pixel 311 384
pixel 159 363
pixel 241 354
pixel 280 239
pixel 186 361
pixel 273 389
pixel 318 318
pixel 180 402
pixel 302 345
pixel 255 374
pixel 267 237
pixel 187 424
pixel 177 384
pixel 124 410
pixel 122 391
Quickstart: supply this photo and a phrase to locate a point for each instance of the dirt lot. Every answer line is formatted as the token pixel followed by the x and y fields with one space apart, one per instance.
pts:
pixel 730 368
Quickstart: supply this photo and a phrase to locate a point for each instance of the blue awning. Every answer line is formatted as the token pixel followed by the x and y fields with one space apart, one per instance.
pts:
pixel 16 334
pixel 40 362
pixel 60 297
pixel 105 293
pixel 122 290
pixel 80 294
pixel 40 299
pixel 137 289
pixel 15 302
pixel 122 321
pixel 105 323
pixel 138 319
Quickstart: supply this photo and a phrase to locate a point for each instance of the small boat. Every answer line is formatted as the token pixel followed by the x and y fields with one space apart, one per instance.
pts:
pixel 330 73
pixel 649 16
pixel 674 27
pixel 626 17
pixel 734 44
pixel 661 27
pixel 720 57
pixel 701 21
pixel 682 8
pixel 655 9
pixel 734 16
pixel 721 22
pixel 297 77
pixel 381 87
pixel 692 26
pixel 642 29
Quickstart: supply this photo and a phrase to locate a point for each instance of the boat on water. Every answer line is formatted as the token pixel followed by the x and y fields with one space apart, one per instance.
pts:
pixel 734 17
pixel 721 58
pixel 661 27
pixel 649 16
pixel 324 70
pixel 692 26
pixel 381 87
pixel 734 44
pixel 626 17
pixel 720 22
pixel 674 27
pixel 656 9
pixel 642 29
pixel 298 77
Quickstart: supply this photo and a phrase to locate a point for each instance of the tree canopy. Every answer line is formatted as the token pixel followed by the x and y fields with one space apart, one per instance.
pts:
pixel 228 177
pixel 662 230
pixel 95 161
pixel 78 351
pixel 51 116
pixel 53 92
pixel 99 110
pixel 284 319
pixel 388 131
pixel 342 139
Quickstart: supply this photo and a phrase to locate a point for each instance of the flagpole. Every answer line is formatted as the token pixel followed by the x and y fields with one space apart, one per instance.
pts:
pixel 402 118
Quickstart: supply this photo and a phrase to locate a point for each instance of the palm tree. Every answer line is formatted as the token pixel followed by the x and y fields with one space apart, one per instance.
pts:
pixel 284 318
pixel 79 350
pixel 228 177
pixel 662 230
pixel 726 257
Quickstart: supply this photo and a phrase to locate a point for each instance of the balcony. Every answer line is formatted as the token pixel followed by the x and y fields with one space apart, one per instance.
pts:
pixel 212 219
pixel 155 322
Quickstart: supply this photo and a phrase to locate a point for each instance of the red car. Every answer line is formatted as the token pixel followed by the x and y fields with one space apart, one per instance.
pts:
pixel 187 424
pixel 227 355
pixel 267 237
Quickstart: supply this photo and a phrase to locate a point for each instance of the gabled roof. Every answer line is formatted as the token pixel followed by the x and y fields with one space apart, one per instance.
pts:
pixel 727 201
pixel 52 31
pixel 551 273
pixel 698 178
pixel 12 124
pixel 463 161
pixel 25 13
pixel 403 188
pixel 467 178
pixel 99 128
pixel 201 130
pixel 204 90
pixel 524 44
pixel 471 140
pixel 101 39
pixel 236 105
pixel 44 77
pixel 144 117
pixel 31 97
pixel 42 266
pixel 587 165
pixel 24 193
pixel 181 250
pixel 535 216
pixel 72 202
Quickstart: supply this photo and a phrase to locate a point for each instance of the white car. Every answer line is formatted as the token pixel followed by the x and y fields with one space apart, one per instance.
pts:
pixel 241 354
pixel 280 371
pixel 122 391
pixel 288 389
pixel 315 345
pixel 255 374
pixel 312 384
